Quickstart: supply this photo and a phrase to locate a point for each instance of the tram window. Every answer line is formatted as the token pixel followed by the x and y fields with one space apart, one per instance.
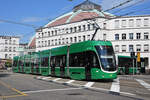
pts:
pixel 27 63
pixel 15 63
pixel 44 61
pixel 91 58
pixel 82 59
pixel 52 61
pixel 58 61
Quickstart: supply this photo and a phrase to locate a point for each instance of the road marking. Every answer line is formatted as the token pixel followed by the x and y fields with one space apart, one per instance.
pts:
pixel 115 87
pixel 46 78
pixel 89 84
pixel 70 81
pixel 8 86
pixel 143 83
pixel 56 79
pixel 39 77
pixel 11 96
pixel 37 91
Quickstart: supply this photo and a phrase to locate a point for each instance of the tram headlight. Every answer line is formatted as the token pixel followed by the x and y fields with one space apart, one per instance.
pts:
pixel 108 66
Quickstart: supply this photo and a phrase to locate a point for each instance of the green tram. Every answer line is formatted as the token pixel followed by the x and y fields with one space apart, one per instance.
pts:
pixel 85 60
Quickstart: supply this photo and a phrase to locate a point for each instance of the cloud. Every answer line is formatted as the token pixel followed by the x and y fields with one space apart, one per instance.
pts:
pixel 33 19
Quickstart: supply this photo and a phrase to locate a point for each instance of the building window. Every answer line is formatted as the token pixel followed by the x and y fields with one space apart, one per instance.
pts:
pixel 84 28
pixel 84 39
pixel 71 40
pixel 93 26
pixel 6 42
pixel 48 33
pixel 123 48
pixel 131 48
pixel 6 56
pixel 138 47
pixel 67 40
pixel 63 41
pixel 123 23
pixel 116 36
pixel 42 34
pixel 146 35
pixel 88 26
pixel 55 32
pixel 9 48
pixel 45 43
pixel 146 22
pixel 66 30
pixel 9 41
pixel 55 41
pixel 14 41
pixel 130 36
pixel 131 22
pixel 59 41
pixel 75 39
pixel 146 47
pixel 104 36
pixel 79 38
pixel 88 37
pixel 14 49
pixel 9 56
pixel 6 48
pixel 48 42
pixel 79 28
pixel 123 36
pixel 71 30
pixel 39 35
pixel 116 23
pixel 75 29
pixel 104 25
pixel 138 35
pixel 138 22
pixel 52 33
pixel 116 48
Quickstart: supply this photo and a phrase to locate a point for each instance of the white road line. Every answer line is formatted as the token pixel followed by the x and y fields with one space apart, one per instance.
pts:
pixel 115 87
pixel 89 84
pixel 56 79
pixel 46 78
pixel 70 81
pixel 146 85
pixel 37 91
pixel 39 77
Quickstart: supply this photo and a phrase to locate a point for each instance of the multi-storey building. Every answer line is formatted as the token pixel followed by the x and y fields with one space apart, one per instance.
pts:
pixel 8 46
pixel 127 33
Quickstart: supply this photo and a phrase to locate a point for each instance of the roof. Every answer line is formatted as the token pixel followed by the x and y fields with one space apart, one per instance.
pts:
pixel 85 10
pixel 32 43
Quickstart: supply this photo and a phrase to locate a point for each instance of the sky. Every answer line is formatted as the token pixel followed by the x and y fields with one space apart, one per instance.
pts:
pixel 40 12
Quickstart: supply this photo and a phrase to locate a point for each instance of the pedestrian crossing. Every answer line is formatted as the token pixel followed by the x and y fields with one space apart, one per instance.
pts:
pixel 118 86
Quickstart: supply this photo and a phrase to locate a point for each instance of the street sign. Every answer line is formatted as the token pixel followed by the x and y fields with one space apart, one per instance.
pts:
pixel 138 57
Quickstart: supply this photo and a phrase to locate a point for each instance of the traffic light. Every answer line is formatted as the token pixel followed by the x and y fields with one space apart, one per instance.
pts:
pixel 138 57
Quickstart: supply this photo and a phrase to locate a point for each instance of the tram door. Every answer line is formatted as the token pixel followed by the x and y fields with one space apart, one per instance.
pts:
pixel 62 65
pixel 32 66
pixel 37 66
pixel 88 56
pixel 53 63
pixel 19 66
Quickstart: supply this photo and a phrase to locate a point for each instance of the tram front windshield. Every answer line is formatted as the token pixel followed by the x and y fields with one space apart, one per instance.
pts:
pixel 107 57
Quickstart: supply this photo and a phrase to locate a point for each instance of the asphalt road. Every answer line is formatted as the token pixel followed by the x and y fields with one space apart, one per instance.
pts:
pixel 15 86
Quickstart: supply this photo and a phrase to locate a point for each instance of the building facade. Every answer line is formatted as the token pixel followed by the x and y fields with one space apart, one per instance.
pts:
pixel 8 46
pixel 127 34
